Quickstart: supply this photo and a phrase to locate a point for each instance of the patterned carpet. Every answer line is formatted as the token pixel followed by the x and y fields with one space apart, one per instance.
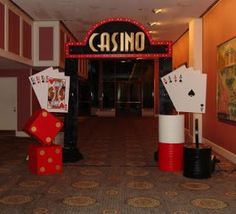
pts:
pixel 117 176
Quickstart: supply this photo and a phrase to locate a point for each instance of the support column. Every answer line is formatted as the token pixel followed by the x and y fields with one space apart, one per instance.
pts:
pixel 156 87
pixel 70 150
pixel 195 61
pixel 100 85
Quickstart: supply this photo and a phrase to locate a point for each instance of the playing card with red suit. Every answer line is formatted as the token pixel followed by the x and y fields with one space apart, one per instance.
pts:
pixel 43 126
pixel 45 160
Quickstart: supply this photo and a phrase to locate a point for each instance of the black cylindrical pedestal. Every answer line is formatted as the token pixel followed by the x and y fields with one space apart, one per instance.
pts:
pixel 70 151
pixel 197 161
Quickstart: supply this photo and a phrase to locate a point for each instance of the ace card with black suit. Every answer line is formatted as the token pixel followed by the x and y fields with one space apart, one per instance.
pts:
pixel 186 88
pixel 190 96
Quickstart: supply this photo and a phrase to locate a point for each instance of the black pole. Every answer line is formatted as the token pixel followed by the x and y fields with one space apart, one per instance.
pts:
pixel 196 133
pixel 70 150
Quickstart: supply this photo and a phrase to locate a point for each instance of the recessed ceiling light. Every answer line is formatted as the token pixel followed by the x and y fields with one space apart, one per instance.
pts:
pixel 153 31
pixel 154 23
pixel 157 10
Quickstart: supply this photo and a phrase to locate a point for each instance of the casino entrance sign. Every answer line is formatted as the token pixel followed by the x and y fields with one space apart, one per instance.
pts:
pixel 118 38
pixel 111 38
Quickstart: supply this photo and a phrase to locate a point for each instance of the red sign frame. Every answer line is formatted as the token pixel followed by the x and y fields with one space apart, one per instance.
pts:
pixel 120 55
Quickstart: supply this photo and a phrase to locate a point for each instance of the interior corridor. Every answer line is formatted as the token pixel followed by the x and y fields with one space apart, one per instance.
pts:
pixel 117 176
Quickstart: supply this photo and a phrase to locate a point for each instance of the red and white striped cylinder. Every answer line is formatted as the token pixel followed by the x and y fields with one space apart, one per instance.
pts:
pixel 171 142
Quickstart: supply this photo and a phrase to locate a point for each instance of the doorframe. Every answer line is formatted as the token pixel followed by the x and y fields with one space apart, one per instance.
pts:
pixel 16 102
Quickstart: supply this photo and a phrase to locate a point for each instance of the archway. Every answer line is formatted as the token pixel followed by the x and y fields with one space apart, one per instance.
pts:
pixel 112 38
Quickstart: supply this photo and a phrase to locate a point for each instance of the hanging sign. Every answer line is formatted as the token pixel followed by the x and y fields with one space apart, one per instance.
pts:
pixel 118 38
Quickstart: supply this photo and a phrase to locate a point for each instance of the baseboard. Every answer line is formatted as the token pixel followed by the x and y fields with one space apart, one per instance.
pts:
pixel 21 134
pixel 94 111
pixel 147 113
pixel 221 151
pixel 7 132
pixel 59 139
pixel 106 113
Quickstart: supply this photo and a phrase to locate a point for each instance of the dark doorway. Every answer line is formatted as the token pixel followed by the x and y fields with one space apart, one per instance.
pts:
pixel 126 86
pixel 128 98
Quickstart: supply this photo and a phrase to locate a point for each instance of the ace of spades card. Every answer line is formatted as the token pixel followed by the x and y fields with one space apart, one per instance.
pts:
pixel 186 88
pixel 191 95
pixel 58 94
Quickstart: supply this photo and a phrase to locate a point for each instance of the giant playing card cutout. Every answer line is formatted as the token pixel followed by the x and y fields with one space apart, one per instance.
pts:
pixel 187 89
pixel 52 89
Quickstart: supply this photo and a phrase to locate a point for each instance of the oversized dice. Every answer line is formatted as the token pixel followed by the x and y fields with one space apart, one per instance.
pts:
pixel 45 160
pixel 43 126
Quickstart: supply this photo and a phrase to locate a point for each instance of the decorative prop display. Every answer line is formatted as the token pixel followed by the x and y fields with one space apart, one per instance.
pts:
pixel 118 38
pixel 110 38
pixel 171 142
pixel 198 163
pixel 226 82
pixel 171 128
pixel 187 89
pixel 45 160
pixel 44 157
pixel 70 151
pixel 43 126
pixel 52 89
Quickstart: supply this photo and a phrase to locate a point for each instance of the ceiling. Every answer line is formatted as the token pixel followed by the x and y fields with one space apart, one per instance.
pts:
pixel 79 15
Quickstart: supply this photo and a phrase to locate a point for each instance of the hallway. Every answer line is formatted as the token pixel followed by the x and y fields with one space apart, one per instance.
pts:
pixel 117 176
pixel 118 142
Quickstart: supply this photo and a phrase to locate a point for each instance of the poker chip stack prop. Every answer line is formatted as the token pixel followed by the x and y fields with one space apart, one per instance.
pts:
pixel 171 142
pixel 52 91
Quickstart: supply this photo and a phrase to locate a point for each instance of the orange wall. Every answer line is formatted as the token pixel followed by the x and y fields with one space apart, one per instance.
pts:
pixel 180 51
pixel 218 27
pixel 180 57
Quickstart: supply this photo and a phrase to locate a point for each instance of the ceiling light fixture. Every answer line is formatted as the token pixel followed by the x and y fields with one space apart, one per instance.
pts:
pixel 154 23
pixel 157 10
pixel 153 31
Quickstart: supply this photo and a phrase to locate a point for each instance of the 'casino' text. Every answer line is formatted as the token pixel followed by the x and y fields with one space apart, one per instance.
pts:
pixel 117 41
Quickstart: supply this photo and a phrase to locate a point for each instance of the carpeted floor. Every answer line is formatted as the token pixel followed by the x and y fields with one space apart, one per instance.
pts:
pixel 117 176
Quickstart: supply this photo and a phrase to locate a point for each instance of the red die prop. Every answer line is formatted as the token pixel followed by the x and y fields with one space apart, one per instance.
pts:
pixel 45 160
pixel 43 126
